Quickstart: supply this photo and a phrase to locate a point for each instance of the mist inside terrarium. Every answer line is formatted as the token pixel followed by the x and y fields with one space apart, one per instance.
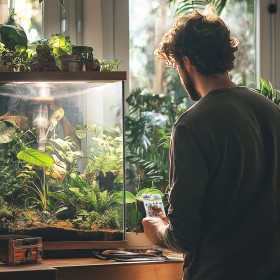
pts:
pixel 61 160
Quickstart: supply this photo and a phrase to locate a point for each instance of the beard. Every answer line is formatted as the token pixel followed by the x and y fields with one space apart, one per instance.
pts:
pixel 189 85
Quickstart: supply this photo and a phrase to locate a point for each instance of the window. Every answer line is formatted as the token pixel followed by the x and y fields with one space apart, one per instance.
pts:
pixel 28 13
pixel 3 10
pixel 149 20
pixel 242 26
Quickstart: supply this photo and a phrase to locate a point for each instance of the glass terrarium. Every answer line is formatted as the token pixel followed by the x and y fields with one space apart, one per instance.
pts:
pixel 62 157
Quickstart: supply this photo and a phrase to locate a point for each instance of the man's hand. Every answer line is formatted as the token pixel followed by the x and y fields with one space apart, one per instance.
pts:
pixel 154 228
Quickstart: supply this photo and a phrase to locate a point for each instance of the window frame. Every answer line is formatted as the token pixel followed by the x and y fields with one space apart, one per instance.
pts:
pixel 268 42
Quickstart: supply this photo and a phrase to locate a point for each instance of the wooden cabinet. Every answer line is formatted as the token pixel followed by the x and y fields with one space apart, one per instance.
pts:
pixel 92 269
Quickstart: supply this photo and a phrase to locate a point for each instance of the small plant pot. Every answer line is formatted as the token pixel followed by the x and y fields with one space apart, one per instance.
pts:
pixel 69 63
pixel 138 240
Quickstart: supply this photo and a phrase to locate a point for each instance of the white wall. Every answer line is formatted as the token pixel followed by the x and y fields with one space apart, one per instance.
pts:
pixel 268 42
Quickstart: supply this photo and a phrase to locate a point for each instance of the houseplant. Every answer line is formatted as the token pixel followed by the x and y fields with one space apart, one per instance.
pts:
pixel 266 89
pixel 136 238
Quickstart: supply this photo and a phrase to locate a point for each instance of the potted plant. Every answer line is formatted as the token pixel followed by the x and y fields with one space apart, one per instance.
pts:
pixel 136 238
pixel 267 90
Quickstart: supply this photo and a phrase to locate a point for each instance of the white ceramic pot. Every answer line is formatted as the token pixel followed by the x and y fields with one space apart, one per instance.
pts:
pixel 138 240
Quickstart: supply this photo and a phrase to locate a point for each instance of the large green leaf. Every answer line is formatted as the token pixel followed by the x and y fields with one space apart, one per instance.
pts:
pixel 35 157
pixel 147 191
pixel 118 197
pixel 7 133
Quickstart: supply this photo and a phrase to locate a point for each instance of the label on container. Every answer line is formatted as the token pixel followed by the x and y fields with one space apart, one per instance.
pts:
pixel 153 204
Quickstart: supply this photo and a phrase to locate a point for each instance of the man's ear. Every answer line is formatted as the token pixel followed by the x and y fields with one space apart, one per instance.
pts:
pixel 187 63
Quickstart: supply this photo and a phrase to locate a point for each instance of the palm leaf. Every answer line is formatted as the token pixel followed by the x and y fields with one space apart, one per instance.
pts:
pixel 187 6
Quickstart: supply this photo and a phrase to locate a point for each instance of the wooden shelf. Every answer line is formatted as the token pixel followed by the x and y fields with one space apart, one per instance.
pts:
pixel 59 76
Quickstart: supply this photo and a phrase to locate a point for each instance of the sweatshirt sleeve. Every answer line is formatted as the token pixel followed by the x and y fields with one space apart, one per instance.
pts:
pixel 188 179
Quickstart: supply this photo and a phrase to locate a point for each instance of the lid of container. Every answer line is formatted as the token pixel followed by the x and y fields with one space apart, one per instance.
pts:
pixel 81 49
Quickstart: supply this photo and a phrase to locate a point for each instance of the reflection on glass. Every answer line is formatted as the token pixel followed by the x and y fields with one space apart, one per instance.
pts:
pixel 61 157
pixel 29 16
pixel 240 16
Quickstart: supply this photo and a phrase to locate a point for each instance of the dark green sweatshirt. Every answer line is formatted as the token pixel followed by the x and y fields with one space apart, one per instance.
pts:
pixel 225 187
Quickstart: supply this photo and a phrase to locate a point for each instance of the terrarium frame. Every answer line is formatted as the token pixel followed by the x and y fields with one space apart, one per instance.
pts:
pixel 95 79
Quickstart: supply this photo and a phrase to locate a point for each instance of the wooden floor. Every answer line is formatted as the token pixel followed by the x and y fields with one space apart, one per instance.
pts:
pixel 91 268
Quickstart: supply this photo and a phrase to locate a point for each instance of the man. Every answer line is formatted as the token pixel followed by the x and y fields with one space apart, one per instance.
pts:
pixel 224 212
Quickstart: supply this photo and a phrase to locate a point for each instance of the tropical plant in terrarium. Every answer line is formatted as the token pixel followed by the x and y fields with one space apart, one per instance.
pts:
pixel 91 208
pixel 105 154
pixel 96 209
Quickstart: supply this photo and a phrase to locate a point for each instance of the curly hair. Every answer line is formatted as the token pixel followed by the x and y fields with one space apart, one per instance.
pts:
pixel 204 39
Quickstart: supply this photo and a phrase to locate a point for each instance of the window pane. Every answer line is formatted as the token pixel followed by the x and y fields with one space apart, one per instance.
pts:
pixel 240 18
pixel 149 19
pixel 3 10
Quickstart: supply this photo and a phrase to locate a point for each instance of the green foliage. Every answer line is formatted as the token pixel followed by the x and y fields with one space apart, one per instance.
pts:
pixel 148 128
pixel 6 215
pixel 50 184
pixel 16 60
pixel 107 65
pixel 35 157
pixel 90 219
pixel 49 217
pixel 58 44
pixel 12 187
pixel 131 198
pixel 266 89
pixel 105 150
pixel 187 6
pixel 134 205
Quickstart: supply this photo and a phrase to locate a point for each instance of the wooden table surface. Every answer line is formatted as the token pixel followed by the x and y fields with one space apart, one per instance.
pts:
pixel 92 269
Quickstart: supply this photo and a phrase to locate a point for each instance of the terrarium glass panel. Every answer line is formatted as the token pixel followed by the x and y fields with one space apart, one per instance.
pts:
pixel 61 160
